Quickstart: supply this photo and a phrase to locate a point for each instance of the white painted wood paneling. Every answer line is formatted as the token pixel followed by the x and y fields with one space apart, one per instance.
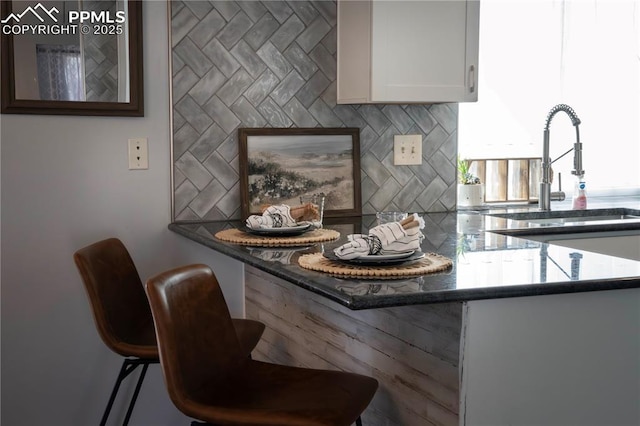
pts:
pixel 412 351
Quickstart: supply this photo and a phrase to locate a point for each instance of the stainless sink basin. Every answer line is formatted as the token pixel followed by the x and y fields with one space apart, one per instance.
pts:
pixel 570 220
pixel 576 219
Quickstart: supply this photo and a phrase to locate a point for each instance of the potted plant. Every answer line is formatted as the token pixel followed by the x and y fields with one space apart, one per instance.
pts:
pixel 470 189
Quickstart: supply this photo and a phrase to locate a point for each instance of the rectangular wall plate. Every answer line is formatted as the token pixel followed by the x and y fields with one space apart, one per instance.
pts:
pixel 138 154
pixel 407 150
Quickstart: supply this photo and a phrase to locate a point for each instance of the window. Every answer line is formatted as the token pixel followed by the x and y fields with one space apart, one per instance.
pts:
pixel 536 54
pixel 59 72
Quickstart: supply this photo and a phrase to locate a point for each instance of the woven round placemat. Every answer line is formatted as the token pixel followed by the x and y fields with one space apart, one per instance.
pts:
pixel 429 264
pixel 236 236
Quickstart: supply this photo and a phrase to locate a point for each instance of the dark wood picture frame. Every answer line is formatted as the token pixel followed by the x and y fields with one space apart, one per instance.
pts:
pixel 295 138
pixel 134 108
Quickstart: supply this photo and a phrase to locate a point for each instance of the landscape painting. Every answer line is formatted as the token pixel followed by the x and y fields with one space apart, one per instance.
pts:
pixel 278 166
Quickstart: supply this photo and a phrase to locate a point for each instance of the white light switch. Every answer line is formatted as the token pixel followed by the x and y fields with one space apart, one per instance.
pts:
pixel 407 150
pixel 138 154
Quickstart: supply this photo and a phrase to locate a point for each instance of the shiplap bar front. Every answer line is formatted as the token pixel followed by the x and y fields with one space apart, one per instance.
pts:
pixel 413 351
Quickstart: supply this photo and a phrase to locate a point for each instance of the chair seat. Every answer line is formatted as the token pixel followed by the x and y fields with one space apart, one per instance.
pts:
pixel 271 394
pixel 249 333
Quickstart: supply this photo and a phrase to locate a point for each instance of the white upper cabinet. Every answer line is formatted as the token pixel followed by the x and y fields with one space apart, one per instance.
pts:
pixel 407 51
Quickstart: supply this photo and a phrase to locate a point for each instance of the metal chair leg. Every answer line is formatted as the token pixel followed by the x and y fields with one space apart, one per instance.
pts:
pixel 128 366
pixel 145 365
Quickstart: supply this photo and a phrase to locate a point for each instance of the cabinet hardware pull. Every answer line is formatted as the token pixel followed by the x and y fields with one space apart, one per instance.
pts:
pixel 472 79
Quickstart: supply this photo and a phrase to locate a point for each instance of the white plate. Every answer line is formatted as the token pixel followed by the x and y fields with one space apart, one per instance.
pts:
pixel 380 260
pixel 288 230
pixel 383 257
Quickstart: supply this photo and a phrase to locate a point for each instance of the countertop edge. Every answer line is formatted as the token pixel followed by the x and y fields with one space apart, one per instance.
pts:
pixel 355 302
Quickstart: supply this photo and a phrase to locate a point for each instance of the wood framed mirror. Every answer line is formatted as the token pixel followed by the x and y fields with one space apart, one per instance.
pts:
pixel 72 57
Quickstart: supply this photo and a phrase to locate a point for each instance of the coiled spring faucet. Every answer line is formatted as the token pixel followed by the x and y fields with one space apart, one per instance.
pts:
pixel 545 183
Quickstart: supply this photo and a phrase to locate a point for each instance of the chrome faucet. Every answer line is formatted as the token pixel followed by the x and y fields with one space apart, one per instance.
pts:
pixel 545 183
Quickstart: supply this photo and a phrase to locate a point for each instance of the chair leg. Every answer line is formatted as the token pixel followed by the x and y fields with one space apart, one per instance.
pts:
pixel 145 365
pixel 358 421
pixel 128 366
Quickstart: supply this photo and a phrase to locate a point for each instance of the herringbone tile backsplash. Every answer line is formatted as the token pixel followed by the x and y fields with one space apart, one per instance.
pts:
pixel 273 64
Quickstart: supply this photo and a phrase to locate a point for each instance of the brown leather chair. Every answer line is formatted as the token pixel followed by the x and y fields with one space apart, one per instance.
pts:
pixel 122 315
pixel 209 379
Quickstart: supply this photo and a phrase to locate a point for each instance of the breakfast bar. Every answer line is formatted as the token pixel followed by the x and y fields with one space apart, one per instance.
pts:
pixel 426 338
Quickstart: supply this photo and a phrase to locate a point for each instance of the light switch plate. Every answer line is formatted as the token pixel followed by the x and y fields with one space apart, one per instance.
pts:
pixel 407 150
pixel 138 154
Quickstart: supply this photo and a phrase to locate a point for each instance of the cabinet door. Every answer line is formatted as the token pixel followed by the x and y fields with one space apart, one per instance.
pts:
pixel 396 51
pixel 424 51
pixel 354 52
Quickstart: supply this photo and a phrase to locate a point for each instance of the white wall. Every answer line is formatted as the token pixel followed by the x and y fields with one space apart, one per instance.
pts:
pixel 566 359
pixel 65 184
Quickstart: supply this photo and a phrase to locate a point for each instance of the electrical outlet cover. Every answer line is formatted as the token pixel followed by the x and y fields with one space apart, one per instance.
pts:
pixel 407 150
pixel 138 154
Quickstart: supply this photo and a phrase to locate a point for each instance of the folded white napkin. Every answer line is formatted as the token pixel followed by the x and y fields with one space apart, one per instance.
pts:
pixel 272 217
pixel 388 238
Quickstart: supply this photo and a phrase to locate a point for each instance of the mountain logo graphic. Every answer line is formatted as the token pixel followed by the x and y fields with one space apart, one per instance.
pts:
pixel 34 11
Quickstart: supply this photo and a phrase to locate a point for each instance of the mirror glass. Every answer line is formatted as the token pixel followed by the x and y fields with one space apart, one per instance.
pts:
pixel 76 57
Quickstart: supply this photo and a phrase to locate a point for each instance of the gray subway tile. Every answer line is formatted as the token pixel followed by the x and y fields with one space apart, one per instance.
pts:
pixel 398 117
pixel 254 9
pixel 223 116
pixel 234 30
pixel 192 112
pixel 300 61
pixel 274 60
pixel 304 9
pixel 248 59
pixel 207 28
pixel 274 114
pixel 228 9
pixel 312 89
pixel 327 9
pixel 374 118
pixel 183 139
pixel 287 32
pixel 261 31
pixel 207 198
pixel 261 87
pixel 324 114
pixel 219 168
pixel 208 142
pixel 197 174
pixel 221 57
pixel 234 87
pixel 325 61
pixel 422 117
pixel 199 8
pixel 183 195
pixel 287 88
pixel 183 82
pixel 374 169
pixel 279 9
pixel 313 34
pixel 193 57
pixel 207 86
pixel 248 115
pixel 299 114
pixel 181 24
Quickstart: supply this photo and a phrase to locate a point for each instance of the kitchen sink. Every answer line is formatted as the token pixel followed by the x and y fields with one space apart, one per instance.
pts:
pixel 547 222
pixel 571 216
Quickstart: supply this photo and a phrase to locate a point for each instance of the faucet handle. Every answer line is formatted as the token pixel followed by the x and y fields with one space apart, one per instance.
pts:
pixel 558 195
pixel 559 181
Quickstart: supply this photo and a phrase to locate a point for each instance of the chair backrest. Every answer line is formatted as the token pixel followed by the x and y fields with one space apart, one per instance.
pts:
pixel 118 301
pixel 196 337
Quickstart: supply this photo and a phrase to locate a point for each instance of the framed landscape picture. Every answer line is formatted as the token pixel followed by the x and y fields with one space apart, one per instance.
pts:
pixel 278 166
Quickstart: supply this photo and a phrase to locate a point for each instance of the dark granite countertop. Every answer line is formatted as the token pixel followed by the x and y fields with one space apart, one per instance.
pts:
pixel 486 265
